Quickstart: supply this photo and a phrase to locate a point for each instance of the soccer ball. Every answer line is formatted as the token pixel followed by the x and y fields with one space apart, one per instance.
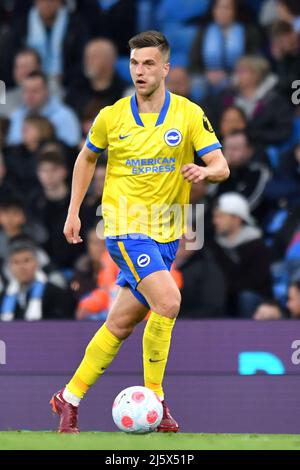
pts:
pixel 137 409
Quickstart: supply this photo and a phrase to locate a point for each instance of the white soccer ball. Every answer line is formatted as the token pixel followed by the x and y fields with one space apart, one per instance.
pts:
pixel 137 409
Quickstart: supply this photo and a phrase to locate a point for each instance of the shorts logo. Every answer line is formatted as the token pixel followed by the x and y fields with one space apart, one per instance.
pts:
pixel 173 137
pixel 143 260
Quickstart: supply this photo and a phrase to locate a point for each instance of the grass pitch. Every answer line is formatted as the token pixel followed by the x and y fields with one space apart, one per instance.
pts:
pixel 26 440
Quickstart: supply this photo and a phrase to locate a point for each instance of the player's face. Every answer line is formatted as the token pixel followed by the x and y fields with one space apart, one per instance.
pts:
pixel 148 69
pixel 23 266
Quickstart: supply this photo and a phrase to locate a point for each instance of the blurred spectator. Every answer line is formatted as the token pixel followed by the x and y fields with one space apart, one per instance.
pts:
pixel 13 9
pixel 202 285
pixel 248 176
pixel 94 279
pixel 36 99
pixel 50 207
pixel 113 19
pixel 14 222
pixel 283 188
pixel 44 261
pixel 178 82
pixel 241 254
pixel 293 303
pixel 26 61
pixel 268 113
pixel 88 116
pixel 6 48
pixel 56 146
pixel 287 226
pixel 268 13
pixel 29 295
pixel 36 130
pixel 251 109
pixel 285 50
pixel 21 159
pixel 289 10
pixel 224 40
pixel 268 310
pixel 91 204
pixel 4 127
pixel 100 81
pixel 232 119
pixel 57 35
pixel 7 187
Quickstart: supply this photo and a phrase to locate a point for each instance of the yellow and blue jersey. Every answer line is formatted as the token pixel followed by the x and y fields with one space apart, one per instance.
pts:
pixel 146 152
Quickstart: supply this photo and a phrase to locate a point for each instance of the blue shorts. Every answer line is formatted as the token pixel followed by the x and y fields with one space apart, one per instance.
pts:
pixel 138 257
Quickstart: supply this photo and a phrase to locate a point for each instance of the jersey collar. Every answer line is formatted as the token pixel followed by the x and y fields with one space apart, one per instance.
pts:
pixel 162 114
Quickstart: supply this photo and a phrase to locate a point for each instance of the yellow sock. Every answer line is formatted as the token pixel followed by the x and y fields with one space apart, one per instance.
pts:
pixel 98 355
pixel 156 345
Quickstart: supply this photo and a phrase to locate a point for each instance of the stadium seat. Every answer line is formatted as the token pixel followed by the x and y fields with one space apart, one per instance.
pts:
pixel 145 14
pixel 180 37
pixel 274 152
pixel 122 68
pixel 180 10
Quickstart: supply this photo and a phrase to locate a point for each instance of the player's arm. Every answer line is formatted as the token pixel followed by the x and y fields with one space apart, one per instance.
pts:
pixel 208 148
pixel 215 171
pixel 83 172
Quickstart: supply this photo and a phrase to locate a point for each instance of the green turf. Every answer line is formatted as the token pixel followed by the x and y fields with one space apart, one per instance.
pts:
pixel 119 441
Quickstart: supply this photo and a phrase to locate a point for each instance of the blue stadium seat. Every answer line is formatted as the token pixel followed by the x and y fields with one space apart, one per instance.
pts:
pixel 180 37
pixel 180 10
pixel 255 4
pixel 178 59
pixel 274 152
pixel 122 68
pixel 146 15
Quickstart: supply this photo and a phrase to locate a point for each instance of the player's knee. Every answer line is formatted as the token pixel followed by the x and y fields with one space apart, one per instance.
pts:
pixel 120 329
pixel 169 306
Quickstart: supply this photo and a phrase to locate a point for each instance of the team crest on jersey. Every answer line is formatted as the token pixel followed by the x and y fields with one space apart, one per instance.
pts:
pixel 173 137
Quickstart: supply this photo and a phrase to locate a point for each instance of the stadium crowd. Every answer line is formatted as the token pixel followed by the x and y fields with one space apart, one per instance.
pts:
pixel 61 62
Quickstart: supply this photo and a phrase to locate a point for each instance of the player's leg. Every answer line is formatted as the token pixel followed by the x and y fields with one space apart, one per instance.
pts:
pixel 163 296
pixel 124 315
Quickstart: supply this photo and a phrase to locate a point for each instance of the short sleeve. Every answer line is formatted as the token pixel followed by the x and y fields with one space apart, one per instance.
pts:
pixel 97 137
pixel 203 136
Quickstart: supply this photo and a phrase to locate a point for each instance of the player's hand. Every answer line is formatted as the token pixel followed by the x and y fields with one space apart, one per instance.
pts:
pixel 72 229
pixel 194 173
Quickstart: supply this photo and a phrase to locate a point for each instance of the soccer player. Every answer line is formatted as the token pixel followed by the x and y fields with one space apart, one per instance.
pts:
pixel 151 138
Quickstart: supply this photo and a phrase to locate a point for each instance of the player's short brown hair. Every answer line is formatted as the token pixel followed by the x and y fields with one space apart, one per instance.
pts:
pixel 151 39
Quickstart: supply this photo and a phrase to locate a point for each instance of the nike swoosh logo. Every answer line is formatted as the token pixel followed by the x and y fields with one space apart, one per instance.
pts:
pixel 159 360
pixel 124 136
